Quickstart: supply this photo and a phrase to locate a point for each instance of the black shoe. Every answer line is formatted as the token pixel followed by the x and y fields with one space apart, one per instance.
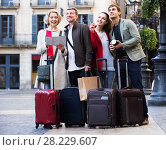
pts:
pixel 145 122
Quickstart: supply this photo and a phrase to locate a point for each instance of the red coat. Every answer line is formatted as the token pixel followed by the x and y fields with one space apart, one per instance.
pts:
pixel 97 47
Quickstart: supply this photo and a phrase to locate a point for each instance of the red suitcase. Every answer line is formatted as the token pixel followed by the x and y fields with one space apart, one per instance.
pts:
pixel 129 103
pixel 47 108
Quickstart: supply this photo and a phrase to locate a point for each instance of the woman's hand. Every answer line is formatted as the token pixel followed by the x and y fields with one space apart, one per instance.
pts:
pixel 112 47
pixel 46 45
pixel 92 26
pixel 61 47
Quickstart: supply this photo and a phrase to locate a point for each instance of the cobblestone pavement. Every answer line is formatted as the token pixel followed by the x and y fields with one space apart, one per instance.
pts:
pixel 17 117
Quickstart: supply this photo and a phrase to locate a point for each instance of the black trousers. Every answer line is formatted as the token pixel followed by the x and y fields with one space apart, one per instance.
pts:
pixel 73 75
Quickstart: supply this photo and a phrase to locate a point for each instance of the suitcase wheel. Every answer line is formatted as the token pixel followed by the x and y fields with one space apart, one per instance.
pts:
pixel 82 125
pixel 91 127
pixel 58 125
pixel 112 126
pixel 47 126
pixel 37 125
pixel 67 125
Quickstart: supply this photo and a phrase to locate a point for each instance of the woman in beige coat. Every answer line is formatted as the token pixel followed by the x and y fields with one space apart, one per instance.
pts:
pixel 52 19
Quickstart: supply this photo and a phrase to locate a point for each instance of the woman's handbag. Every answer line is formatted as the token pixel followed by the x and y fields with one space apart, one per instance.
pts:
pixel 43 72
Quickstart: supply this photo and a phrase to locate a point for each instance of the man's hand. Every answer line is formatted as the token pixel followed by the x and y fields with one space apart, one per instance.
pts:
pixel 113 48
pixel 87 68
pixel 119 45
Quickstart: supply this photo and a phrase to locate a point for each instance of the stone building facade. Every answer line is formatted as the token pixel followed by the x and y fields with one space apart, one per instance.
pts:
pixel 20 21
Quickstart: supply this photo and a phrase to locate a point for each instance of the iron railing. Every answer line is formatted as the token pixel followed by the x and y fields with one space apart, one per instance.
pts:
pixel 20 40
pixel 45 4
pixel 75 3
pixel 10 4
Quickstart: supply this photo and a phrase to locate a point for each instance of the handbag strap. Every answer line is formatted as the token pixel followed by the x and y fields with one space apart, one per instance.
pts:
pixel 56 51
pixel 70 43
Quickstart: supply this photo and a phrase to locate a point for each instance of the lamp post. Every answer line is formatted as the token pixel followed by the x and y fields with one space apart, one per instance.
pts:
pixel 135 2
pixel 158 96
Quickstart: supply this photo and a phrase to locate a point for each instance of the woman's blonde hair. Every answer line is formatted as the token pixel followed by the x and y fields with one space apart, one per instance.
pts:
pixel 46 18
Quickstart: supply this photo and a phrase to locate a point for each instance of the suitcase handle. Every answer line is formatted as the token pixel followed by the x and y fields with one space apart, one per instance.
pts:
pixel 88 74
pixel 50 61
pixel 127 76
pixel 101 59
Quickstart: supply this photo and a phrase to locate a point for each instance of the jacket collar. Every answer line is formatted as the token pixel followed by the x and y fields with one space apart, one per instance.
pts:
pixel 74 25
pixel 121 29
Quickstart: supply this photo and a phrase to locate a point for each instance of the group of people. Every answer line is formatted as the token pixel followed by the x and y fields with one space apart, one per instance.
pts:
pixel 86 44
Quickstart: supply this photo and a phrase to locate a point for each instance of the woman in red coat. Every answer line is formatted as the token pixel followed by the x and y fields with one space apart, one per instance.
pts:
pixel 100 42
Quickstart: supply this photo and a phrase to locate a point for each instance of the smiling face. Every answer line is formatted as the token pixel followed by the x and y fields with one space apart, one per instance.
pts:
pixel 71 16
pixel 102 19
pixel 53 19
pixel 114 13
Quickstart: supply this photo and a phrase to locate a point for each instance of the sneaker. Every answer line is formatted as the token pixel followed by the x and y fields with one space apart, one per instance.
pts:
pixel 145 122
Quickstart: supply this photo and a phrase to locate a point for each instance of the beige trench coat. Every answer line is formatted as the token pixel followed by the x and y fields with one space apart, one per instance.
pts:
pixel 60 74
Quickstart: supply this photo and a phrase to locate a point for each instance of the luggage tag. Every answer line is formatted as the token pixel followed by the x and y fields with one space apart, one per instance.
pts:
pixel 104 98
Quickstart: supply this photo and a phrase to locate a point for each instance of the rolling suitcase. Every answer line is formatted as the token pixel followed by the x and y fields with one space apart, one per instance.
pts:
pixel 47 108
pixel 101 105
pixel 72 110
pixel 47 105
pixel 129 102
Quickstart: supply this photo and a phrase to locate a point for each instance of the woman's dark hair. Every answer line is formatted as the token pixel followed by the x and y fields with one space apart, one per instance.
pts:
pixel 107 27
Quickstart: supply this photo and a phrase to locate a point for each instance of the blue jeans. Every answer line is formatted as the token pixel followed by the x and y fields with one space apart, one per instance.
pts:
pixel 134 72
pixel 102 75
pixel 47 85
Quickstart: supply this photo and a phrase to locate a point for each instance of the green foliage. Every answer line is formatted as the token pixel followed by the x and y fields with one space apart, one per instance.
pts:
pixel 148 38
pixel 150 7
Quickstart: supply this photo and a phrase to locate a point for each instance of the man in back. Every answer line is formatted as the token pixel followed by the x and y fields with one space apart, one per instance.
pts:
pixel 79 47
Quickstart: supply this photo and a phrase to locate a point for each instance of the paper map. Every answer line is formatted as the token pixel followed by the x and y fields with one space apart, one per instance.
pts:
pixel 56 40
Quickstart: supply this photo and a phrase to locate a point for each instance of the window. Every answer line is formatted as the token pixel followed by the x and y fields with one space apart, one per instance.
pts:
pixel 2 77
pixel 35 63
pixel 2 60
pixel 84 18
pixel 9 71
pixel 41 24
pixel 37 24
pixel 61 12
pixel 43 2
pixel 78 2
pixel 6 29
pixel 7 3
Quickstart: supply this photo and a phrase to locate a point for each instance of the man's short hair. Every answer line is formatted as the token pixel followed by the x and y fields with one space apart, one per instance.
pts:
pixel 115 5
pixel 75 9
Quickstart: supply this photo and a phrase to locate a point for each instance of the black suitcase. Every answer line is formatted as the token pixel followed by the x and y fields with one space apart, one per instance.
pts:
pixel 72 110
pixel 129 102
pixel 101 105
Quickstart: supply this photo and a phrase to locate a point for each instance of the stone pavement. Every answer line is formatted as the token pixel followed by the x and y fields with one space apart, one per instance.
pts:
pixel 17 117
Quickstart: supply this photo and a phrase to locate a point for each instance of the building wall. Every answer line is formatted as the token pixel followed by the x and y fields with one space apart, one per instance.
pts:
pixel 23 28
